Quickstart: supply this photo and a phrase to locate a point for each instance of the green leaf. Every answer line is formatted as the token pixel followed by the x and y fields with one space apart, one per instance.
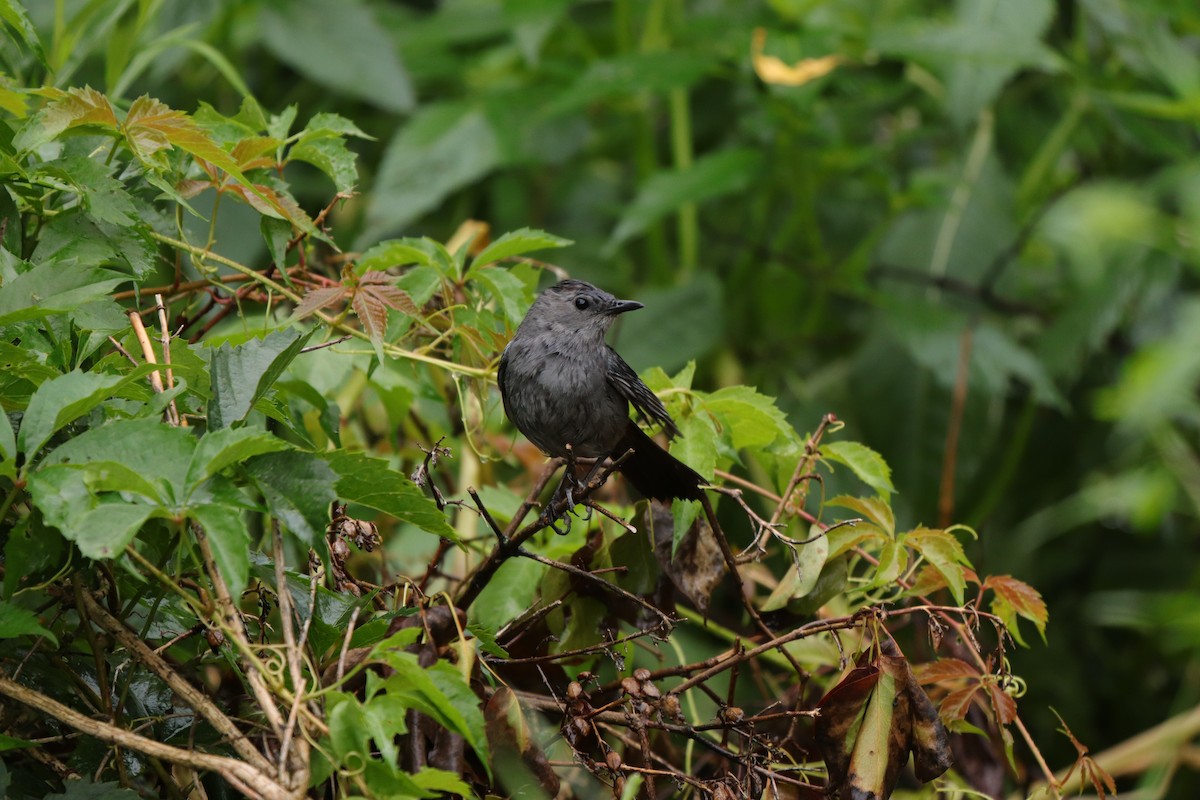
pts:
pixel 875 510
pixel 864 462
pixel 633 74
pixel 243 374
pixel 350 51
pixel 15 17
pixel 330 155
pixel 59 401
pixel 402 252
pixel 807 562
pixel 16 621
pixel 714 175
pixel 229 540
pixel 8 445
pixel 751 419
pixel 100 526
pixel 157 452
pixel 372 483
pixel 443 148
pixel 440 693
pixel 219 449
pixel 510 593
pixel 76 108
pixel 52 288
pixel 683 514
pixel 945 553
pixel 515 243
pixel 298 488
pixel 697 444
pixel 507 289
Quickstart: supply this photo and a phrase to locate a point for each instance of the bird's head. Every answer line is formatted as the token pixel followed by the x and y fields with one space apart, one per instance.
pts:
pixel 577 307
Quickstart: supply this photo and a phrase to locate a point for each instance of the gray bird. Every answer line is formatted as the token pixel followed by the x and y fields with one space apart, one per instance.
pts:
pixel 563 385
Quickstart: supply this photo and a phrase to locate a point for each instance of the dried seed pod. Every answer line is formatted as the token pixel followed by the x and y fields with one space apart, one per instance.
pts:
pixel 642 674
pixel 732 714
pixel 574 690
pixel 631 687
pixel 613 759
pixel 650 690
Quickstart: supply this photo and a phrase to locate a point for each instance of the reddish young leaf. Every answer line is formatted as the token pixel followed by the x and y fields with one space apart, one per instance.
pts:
pixel 151 126
pixel 956 704
pixel 1017 596
pixel 319 298
pixel 944 669
pixel 1002 703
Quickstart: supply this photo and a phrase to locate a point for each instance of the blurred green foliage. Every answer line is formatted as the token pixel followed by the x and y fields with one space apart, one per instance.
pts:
pixel 998 197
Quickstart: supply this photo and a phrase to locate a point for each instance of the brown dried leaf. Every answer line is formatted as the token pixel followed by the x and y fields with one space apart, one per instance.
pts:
pixel 697 566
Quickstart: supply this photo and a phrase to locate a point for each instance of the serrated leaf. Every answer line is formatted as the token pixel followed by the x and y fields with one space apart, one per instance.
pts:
pixel 514 243
pixel 509 291
pixel 298 488
pixel 16 621
pixel 1016 598
pixel 243 374
pixel 100 525
pixel 49 288
pixel 151 127
pixel 864 462
pixel 220 448
pixel 229 541
pixel 66 110
pixel 751 418
pixel 59 401
pixel 331 156
pixel 402 252
pixel 945 553
pixel 697 444
pixel 317 299
pixel 372 483
pixel 375 294
pixel 874 509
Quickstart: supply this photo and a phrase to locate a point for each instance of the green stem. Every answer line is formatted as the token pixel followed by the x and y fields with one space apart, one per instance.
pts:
pixel 681 151
pixel 388 348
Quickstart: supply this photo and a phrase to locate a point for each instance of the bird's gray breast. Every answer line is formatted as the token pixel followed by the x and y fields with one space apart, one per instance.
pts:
pixel 556 392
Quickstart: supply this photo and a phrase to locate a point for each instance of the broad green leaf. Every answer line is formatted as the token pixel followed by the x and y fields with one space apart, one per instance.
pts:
pixel 14 15
pixel 100 526
pixel 807 563
pixel 697 444
pixel 60 401
pixel 632 74
pixel 76 108
pixel 875 510
pixel 372 483
pixel 298 488
pixel 51 288
pixel 518 242
pixel 721 173
pixel 508 290
pixel 8 442
pixel 78 236
pixel 158 452
pixel 220 448
pixel 683 515
pixel 509 593
pixel 402 252
pixel 945 554
pixel 17 621
pixel 439 692
pixel 330 155
pixel 229 541
pixel 752 419
pixel 984 46
pixel 350 51
pixel 864 462
pixel 243 374
pixel 443 148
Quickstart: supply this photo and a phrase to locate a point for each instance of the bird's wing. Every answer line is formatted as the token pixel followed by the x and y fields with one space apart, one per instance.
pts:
pixel 501 370
pixel 630 386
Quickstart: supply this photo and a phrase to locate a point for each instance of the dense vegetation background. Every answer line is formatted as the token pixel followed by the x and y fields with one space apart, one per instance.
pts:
pixel 969 230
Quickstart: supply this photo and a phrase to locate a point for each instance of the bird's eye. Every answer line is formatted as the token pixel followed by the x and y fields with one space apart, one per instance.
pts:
pixel 581 303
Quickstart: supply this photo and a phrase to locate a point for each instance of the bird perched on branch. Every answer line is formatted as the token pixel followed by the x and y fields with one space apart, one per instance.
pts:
pixel 569 392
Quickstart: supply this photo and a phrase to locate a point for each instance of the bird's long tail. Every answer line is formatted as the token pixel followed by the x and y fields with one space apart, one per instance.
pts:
pixel 653 471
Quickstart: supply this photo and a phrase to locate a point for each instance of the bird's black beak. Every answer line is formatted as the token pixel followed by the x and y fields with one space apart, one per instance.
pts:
pixel 621 306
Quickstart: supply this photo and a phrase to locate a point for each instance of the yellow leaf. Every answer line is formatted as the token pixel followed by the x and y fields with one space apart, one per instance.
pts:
pixel 771 69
